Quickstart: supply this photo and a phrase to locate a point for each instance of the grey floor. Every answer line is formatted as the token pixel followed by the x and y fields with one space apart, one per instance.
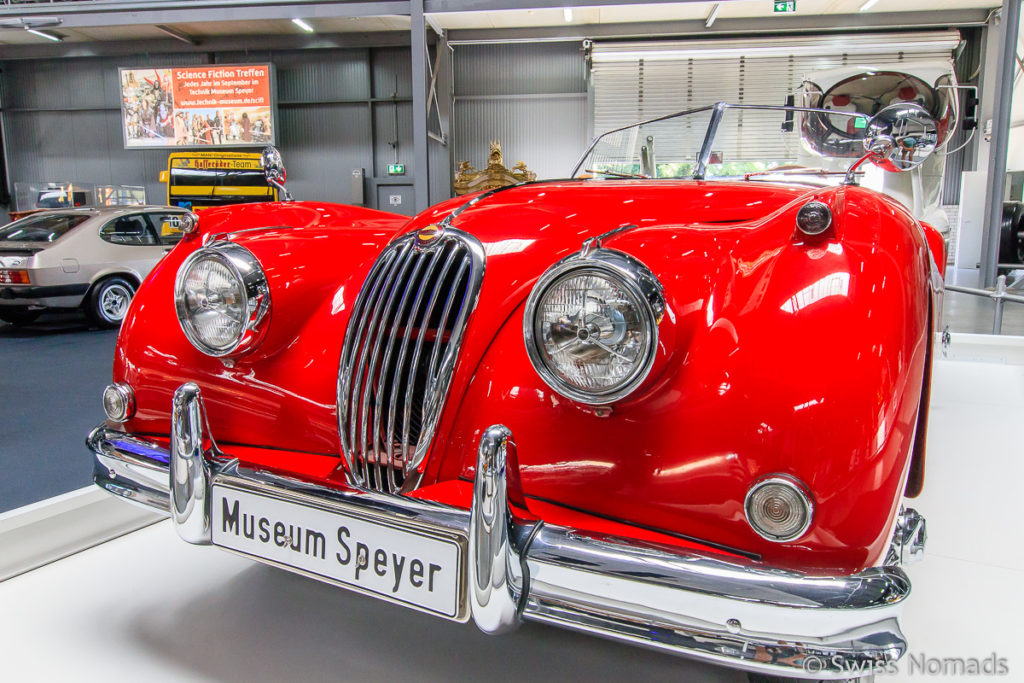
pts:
pixel 969 313
pixel 53 372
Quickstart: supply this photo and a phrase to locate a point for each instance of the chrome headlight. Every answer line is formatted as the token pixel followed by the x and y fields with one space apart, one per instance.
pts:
pixel 222 297
pixel 591 325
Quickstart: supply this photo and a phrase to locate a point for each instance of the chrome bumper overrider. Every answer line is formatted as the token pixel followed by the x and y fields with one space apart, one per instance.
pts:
pixel 734 612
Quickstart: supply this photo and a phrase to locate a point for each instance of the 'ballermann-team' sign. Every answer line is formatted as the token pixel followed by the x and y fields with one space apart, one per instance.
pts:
pixel 198 106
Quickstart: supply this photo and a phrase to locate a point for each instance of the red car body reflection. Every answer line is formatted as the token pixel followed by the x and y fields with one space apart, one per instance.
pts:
pixel 778 353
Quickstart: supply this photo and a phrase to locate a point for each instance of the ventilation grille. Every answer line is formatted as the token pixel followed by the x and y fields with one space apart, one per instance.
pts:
pixel 400 350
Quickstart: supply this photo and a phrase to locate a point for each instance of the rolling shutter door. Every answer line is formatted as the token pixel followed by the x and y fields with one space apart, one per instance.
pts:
pixel 640 80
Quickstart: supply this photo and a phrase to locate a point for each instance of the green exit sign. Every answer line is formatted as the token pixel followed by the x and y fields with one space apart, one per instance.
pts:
pixel 785 5
pixel 396 169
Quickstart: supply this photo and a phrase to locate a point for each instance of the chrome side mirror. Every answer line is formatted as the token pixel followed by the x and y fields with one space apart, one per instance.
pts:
pixel 273 170
pixel 901 136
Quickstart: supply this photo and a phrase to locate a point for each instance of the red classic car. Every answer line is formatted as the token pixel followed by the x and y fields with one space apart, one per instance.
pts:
pixel 676 400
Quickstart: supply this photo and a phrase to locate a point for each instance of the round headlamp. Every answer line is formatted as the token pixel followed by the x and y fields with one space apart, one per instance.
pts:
pixel 222 297
pixel 778 509
pixel 591 325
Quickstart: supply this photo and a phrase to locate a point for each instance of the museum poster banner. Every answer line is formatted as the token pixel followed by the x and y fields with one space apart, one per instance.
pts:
pixel 219 105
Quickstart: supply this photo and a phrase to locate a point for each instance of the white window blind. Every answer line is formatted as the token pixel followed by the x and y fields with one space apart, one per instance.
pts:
pixel 633 81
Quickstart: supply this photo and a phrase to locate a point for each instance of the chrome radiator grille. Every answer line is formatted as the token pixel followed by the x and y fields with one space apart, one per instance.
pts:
pixel 400 349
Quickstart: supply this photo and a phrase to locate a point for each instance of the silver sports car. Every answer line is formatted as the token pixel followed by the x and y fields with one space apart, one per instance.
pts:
pixel 92 258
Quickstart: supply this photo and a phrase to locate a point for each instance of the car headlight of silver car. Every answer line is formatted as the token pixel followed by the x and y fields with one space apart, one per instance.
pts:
pixel 222 299
pixel 591 325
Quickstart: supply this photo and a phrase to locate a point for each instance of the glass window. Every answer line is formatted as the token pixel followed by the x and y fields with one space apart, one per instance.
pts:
pixel 41 227
pixel 133 230
pixel 168 227
pixel 61 199
pixel 209 177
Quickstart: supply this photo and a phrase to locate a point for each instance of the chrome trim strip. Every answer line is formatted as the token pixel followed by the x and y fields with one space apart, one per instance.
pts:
pixel 717 608
pixel 373 335
pixel 378 408
pixel 417 351
pixel 592 243
pixel 353 340
pixel 421 290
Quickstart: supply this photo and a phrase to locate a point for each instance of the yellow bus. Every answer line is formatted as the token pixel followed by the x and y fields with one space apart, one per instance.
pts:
pixel 199 180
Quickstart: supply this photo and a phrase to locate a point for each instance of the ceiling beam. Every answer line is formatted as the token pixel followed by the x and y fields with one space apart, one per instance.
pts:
pixel 176 34
pixel 120 48
pixel 131 12
pixel 822 23
pixel 435 6
pixel 712 15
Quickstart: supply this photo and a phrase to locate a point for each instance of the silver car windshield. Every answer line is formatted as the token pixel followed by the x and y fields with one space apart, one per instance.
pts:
pixel 45 227
pixel 725 140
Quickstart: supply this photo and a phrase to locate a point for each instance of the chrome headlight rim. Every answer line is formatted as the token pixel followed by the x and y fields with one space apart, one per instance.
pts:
pixel 793 484
pixel 631 275
pixel 246 268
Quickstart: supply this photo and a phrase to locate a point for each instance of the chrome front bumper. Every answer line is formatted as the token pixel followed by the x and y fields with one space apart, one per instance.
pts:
pixel 732 612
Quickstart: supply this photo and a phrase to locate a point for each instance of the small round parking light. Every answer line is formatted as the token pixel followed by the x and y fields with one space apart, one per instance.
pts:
pixel 188 223
pixel 813 218
pixel 119 402
pixel 778 509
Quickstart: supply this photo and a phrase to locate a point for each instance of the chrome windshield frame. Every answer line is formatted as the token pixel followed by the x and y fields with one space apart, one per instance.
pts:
pixel 717 114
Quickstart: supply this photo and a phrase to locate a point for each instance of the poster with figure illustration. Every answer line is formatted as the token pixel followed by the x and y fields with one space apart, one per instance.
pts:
pixel 222 105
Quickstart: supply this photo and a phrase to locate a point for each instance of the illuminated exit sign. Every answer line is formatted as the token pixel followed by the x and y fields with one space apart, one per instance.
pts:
pixel 785 5
pixel 396 169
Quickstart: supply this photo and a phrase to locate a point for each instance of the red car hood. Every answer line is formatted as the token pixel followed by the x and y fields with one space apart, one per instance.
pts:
pixel 731 262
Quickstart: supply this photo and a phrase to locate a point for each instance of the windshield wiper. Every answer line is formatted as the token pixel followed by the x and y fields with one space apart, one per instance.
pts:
pixel 617 174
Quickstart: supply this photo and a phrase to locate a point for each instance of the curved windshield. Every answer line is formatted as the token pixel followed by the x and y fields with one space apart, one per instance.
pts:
pixel 45 227
pixel 723 140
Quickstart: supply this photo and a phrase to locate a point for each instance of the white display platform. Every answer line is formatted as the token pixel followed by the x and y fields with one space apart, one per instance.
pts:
pixel 148 607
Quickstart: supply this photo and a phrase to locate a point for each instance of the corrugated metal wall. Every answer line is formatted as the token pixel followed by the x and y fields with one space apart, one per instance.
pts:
pixel 532 97
pixel 336 113
pixel 439 122
pixel 967 73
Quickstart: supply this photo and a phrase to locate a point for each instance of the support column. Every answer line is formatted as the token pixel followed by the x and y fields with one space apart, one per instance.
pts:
pixel 420 84
pixel 1006 67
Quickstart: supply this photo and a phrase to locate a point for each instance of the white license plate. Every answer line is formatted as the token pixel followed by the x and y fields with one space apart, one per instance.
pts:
pixel 393 563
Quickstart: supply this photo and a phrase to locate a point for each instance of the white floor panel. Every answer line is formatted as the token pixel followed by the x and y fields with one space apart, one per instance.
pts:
pixel 967 600
pixel 149 607
pixel 975 464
